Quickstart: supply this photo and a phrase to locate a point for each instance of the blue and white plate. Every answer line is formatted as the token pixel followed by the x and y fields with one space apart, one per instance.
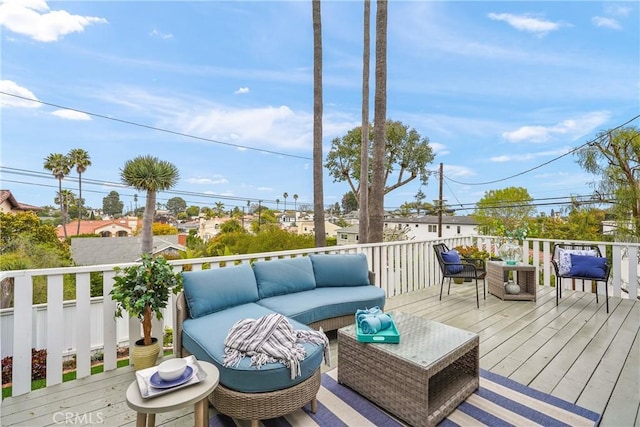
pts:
pixel 158 382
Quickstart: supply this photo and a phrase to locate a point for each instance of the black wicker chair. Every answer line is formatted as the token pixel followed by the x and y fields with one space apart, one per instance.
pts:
pixel 473 269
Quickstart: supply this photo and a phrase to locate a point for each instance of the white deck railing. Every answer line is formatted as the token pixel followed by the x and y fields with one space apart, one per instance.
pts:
pixel 400 267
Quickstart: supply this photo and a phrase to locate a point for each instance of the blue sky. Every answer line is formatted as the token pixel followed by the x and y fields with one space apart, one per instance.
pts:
pixel 498 88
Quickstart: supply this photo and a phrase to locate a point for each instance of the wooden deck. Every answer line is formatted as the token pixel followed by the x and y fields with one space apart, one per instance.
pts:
pixel 575 351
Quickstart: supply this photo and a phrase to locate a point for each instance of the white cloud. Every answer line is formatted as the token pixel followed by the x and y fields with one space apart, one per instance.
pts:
pixel 439 149
pixel 13 88
pixel 600 21
pixel 71 115
pixel 241 91
pixel 526 22
pixel 34 19
pixel 567 129
pixel 160 35
pixel 458 171
pixel 264 189
pixel 617 9
pixel 208 181
pixel 529 156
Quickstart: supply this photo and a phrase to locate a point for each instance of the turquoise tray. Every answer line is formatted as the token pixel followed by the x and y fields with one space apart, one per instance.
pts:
pixel 389 335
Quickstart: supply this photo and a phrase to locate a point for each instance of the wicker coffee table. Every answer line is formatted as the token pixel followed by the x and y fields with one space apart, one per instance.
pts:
pixel 422 379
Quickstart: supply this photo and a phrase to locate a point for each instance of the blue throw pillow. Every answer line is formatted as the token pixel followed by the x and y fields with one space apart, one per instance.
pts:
pixel 284 276
pixel 340 270
pixel 453 258
pixel 588 266
pixel 208 291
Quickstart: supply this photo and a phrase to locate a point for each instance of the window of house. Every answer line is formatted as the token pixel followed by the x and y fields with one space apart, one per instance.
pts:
pixel 433 228
pixel 458 230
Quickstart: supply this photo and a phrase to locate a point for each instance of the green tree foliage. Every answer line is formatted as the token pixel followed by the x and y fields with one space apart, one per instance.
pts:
pixel 193 211
pixel 349 202
pixel 150 174
pixel 111 204
pixel 407 156
pixel 175 205
pixel 614 156
pixel 27 243
pixel 268 240
pixel 580 224
pixel 231 226
pixel 501 211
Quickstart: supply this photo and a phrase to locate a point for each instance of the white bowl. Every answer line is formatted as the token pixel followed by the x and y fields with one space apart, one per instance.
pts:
pixel 172 369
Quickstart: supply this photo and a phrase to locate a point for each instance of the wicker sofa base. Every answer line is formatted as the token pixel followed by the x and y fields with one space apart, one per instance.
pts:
pixel 261 406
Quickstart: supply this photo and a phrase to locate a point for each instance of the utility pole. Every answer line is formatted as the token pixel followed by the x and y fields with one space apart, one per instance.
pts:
pixel 440 203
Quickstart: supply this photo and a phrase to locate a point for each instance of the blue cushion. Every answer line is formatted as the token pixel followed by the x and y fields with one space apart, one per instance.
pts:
pixel 588 266
pixel 340 270
pixel 204 338
pixel 324 303
pixel 208 291
pixel 453 257
pixel 284 276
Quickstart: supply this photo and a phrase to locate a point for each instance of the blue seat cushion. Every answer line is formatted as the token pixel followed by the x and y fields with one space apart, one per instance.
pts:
pixel 340 270
pixel 208 291
pixel 204 338
pixel 284 276
pixel 324 303
pixel 588 266
pixel 452 257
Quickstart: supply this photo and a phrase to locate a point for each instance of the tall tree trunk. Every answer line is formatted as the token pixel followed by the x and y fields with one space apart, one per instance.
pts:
pixel 318 191
pixel 63 212
pixel 376 204
pixel 79 202
pixel 363 223
pixel 147 223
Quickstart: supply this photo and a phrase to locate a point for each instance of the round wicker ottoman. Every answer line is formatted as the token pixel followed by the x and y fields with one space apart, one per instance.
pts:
pixel 261 406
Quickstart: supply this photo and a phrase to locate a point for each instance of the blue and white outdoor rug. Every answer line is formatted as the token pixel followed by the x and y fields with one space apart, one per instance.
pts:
pixel 498 402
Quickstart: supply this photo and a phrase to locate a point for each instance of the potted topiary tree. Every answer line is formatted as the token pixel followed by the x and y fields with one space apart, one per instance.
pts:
pixel 143 290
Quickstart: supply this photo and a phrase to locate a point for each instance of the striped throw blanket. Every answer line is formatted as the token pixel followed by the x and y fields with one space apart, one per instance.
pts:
pixel 271 339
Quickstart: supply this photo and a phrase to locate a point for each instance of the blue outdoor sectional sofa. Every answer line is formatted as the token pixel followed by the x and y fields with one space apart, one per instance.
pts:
pixel 311 291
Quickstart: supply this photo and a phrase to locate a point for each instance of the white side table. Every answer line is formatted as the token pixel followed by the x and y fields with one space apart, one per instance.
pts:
pixel 193 395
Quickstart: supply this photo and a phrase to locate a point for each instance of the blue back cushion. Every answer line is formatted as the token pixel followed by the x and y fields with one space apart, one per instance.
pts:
pixel 452 256
pixel 588 266
pixel 208 291
pixel 284 276
pixel 340 270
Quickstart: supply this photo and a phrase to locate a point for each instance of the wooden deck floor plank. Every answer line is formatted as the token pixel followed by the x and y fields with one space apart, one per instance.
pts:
pixel 620 410
pixel 603 380
pixel 577 316
pixel 587 362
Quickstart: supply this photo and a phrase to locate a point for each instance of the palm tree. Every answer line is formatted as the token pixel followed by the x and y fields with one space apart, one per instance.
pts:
pixel 81 160
pixel 295 202
pixel 318 189
pixel 148 173
pixel 66 199
pixel 376 205
pixel 363 203
pixel 219 209
pixel 277 204
pixel 285 195
pixel 59 166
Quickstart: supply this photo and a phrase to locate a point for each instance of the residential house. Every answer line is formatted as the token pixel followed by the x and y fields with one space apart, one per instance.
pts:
pixel 94 251
pixel 9 204
pixel 122 227
pixel 425 227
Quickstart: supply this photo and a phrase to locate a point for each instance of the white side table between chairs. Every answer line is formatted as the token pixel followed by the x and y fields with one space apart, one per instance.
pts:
pixel 196 395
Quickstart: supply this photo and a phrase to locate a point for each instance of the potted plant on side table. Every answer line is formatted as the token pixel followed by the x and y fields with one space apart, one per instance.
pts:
pixel 473 255
pixel 143 290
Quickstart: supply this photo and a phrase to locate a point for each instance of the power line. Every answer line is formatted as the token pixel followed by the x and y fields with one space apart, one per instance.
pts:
pixel 541 164
pixel 173 132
